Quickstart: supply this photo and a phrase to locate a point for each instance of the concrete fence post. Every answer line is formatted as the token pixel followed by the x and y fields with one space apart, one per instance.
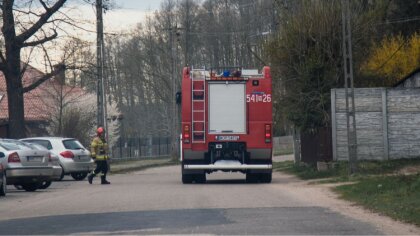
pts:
pixel 385 123
pixel 334 124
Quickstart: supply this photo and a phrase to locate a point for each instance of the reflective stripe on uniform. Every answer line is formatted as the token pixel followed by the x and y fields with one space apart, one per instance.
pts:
pixel 99 149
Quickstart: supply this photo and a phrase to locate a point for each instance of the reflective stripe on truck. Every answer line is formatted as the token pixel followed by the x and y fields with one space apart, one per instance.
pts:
pixel 229 165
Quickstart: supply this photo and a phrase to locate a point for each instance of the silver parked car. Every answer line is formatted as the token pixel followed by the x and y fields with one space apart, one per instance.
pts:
pixel 73 157
pixel 3 181
pixel 53 162
pixel 25 165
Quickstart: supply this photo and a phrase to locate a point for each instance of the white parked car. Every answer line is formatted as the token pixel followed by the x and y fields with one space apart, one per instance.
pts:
pixel 72 156
pixel 24 165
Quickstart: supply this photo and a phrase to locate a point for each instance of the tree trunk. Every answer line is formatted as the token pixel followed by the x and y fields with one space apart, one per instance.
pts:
pixel 16 105
pixel 11 70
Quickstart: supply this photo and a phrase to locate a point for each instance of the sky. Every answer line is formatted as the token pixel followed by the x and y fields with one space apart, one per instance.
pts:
pixel 128 13
pixel 142 5
pixel 125 15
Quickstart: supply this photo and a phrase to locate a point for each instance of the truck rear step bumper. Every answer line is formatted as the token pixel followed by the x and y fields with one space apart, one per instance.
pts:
pixel 229 165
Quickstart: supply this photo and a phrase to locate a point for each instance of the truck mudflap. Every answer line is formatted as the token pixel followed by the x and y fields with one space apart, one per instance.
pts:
pixel 228 165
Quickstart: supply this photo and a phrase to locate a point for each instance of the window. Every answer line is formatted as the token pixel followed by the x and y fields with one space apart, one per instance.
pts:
pixel 72 144
pixel 14 145
pixel 44 143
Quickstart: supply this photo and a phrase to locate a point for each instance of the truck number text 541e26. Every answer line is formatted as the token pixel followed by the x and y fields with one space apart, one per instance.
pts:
pixel 226 123
pixel 258 98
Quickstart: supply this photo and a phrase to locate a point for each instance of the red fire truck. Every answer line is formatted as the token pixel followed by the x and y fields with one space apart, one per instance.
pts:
pixel 226 123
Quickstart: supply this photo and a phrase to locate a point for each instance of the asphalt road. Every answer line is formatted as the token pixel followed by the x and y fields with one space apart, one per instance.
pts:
pixel 155 201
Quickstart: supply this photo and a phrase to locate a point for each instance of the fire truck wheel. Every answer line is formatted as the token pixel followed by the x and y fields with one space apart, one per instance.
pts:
pixel 251 178
pixel 266 178
pixel 200 178
pixel 187 179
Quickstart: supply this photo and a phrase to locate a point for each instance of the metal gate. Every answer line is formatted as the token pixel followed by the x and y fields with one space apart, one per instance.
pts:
pixel 316 147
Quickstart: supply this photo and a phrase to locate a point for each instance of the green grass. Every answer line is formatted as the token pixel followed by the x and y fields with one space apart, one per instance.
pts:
pixel 378 186
pixel 283 151
pixel 341 172
pixel 395 196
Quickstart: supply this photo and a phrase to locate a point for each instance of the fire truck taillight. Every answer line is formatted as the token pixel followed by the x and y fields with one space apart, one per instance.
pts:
pixel 186 134
pixel 268 133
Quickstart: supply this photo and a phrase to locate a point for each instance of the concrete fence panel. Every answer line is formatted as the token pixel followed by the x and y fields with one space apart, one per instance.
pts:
pixel 387 123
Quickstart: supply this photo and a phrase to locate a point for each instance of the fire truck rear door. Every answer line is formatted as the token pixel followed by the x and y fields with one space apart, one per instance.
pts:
pixel 227 107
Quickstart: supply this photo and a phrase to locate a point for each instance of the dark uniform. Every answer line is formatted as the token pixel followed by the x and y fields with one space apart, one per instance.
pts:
pixel 99 152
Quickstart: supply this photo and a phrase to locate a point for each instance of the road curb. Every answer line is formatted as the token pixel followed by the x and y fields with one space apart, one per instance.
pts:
pixel 137 165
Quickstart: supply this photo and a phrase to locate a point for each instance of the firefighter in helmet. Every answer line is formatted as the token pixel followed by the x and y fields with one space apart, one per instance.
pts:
pixel 99 152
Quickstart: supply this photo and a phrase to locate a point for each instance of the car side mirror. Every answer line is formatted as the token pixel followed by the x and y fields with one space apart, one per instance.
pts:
pixel 2 155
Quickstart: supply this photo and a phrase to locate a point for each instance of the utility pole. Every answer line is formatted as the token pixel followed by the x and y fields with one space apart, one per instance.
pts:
pixel 174 130
pixel 99 63
pixel 348 81
pixel 187 27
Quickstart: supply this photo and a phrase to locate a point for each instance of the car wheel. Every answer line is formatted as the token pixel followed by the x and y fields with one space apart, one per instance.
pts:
pixel 45 185
pixel 62 174
pixel 32 187
pixel 79 175
pixel 3 186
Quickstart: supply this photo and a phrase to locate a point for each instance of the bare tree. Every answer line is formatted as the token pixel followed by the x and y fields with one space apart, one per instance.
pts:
pixel 142 65
pixel 16 37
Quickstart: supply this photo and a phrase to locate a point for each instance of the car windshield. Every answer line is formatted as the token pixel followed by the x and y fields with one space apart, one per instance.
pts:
pixel 72 144
pixel 37 146
pixel 14 145
pixel 44 143
pixel 9 146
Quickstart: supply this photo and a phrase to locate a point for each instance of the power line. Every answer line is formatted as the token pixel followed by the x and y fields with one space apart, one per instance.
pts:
pixel 400 20
pixel 389 58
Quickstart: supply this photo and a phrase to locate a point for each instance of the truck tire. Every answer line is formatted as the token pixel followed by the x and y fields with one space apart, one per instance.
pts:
pixel 200 178
pixel 187 179
pixel 266 178
pixel 251 178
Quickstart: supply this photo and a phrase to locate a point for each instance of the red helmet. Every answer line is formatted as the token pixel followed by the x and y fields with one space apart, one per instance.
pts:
pixel 100 130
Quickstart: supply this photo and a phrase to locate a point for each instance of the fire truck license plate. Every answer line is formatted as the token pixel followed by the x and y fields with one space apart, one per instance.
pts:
pixel 227 138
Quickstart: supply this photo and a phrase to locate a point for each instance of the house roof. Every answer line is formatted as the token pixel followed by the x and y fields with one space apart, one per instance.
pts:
pixel 407 77
pixel 39 102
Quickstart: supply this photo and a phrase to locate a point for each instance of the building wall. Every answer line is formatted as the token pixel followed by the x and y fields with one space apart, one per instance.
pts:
pixel 387 123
